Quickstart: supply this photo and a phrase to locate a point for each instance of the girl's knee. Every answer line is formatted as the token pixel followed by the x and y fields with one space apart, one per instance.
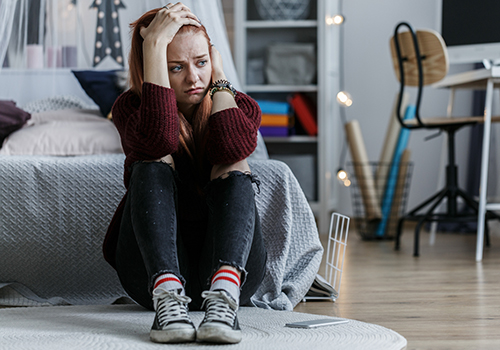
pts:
pixel 168 159
pixel 223 170
pixel 153 171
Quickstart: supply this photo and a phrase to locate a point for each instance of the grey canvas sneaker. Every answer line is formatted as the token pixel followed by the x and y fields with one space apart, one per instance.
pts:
pixel 220 324
pixel 172 323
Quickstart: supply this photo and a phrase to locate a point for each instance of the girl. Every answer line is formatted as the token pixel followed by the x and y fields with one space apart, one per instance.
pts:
pixel 187 231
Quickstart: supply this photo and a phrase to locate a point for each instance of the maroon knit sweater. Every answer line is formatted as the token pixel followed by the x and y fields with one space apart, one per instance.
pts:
pixel 149 129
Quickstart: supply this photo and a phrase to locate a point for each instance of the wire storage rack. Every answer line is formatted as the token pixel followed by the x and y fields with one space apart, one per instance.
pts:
pixel 328 287
pixel 391 193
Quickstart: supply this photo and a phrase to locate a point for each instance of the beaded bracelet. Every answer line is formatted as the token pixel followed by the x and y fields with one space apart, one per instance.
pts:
pixel 217 89
pixel 222 85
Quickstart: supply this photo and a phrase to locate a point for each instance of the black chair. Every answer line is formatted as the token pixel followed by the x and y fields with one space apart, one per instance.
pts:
pixel 420 58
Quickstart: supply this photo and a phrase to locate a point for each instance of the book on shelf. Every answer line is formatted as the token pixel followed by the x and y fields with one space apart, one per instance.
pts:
pixel 274 107
pixel 274 131
pixel 275 120
pixel 305 113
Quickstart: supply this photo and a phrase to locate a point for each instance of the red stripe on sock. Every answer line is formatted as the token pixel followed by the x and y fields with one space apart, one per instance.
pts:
pixel 168 279
pixel 231 272
pixel 225 278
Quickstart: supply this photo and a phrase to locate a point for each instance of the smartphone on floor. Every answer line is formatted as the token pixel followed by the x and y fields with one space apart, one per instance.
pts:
pixel 316 323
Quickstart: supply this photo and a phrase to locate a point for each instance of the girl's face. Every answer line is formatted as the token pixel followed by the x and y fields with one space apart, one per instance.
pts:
pixel 189 69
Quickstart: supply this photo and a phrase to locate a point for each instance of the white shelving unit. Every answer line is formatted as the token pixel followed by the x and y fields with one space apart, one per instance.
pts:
pixel 252 36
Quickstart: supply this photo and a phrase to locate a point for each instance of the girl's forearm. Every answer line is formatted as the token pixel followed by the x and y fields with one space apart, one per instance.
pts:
pixel 155 64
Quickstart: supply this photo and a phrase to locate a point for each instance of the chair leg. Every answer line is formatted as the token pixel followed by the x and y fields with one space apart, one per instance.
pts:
pixel 398 233
pixel 441 194
pixel 416 243
pixel 468 200
pixel 475 206
pixel 486 233
pixel 439 198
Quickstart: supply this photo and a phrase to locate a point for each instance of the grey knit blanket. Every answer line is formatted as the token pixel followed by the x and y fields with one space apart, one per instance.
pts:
pixel 55 212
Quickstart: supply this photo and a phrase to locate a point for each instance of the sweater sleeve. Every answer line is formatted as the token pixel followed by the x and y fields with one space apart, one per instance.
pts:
pixel 148 125
pixel 233 131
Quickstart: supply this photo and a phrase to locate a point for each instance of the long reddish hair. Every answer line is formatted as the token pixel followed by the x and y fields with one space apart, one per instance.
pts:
pixel 192 137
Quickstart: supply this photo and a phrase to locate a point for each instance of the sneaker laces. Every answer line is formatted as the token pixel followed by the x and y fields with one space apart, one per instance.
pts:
pixel 220 307
pixel 170 306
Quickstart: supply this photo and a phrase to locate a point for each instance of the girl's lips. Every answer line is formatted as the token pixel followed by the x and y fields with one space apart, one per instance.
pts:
pixel 194 91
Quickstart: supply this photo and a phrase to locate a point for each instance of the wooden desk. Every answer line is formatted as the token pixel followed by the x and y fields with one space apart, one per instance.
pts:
pixel 480 79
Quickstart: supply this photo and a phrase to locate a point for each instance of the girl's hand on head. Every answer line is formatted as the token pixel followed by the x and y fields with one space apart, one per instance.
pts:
pixel 217 68
pixel 167 23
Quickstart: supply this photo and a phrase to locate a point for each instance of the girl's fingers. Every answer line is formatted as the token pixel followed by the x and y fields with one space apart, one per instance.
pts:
pixel 177 7
pixel 180 9
pixel 194 22
pixel 188 14
pixel 167 22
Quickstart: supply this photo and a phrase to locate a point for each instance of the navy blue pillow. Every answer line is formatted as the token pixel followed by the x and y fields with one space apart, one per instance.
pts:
pixel 101 86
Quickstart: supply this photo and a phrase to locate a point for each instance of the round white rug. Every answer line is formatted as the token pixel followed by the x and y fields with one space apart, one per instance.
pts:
pixel 127 327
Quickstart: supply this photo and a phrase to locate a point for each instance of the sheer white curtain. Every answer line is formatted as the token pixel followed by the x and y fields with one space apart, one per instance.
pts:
pixel 7 9
pixel 65 33
pixel 13 29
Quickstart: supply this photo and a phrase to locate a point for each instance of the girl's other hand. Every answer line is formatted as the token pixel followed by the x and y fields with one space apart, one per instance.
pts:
pixel 217 67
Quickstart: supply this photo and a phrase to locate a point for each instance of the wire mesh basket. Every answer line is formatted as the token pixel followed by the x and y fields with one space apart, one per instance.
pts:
pixel 283 9
pixel 390 191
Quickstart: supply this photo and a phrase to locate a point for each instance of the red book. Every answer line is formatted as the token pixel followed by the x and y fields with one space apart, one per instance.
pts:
pixel 305 113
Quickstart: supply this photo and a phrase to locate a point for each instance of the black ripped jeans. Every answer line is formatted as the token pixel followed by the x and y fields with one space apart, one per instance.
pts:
pixel 154 239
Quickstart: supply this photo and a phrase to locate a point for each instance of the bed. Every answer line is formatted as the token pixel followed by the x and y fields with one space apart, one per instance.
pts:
pixel 56 206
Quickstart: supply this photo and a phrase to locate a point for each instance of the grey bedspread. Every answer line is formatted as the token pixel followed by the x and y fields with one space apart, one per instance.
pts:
pixel 55 212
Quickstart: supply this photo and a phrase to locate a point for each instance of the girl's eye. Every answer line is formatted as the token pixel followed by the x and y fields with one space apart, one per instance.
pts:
pixel 176 69
pixel 203 63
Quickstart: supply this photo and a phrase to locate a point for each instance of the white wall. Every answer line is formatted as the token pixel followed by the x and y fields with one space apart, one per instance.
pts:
pixel 370 79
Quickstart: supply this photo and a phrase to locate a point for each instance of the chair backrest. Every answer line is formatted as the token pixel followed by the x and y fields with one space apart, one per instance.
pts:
pixel 419 58
pixel 433 53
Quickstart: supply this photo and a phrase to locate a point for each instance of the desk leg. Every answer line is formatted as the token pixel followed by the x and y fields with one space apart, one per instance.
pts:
pixel 483 184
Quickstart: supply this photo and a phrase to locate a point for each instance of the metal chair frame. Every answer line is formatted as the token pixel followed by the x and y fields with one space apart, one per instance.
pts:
pixel 451 191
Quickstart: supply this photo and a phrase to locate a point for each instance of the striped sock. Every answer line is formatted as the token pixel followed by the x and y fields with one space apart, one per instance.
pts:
pixel 169 281
pixel 229 281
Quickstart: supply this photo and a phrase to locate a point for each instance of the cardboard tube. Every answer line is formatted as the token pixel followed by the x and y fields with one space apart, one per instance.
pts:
pixel 363 171
pixel 390 140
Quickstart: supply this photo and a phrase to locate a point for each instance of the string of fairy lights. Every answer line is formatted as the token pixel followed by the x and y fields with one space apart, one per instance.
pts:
pixel 344 98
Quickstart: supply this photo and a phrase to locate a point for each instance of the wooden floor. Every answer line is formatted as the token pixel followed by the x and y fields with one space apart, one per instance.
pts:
pixel 441 300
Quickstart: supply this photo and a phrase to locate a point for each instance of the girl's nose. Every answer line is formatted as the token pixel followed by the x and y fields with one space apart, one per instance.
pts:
pixel 191 76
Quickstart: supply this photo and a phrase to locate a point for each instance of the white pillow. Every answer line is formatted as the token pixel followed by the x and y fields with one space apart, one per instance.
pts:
pixel 69 132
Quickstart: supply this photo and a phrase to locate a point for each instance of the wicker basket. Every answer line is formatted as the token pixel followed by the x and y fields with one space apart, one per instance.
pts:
pixel 283 9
